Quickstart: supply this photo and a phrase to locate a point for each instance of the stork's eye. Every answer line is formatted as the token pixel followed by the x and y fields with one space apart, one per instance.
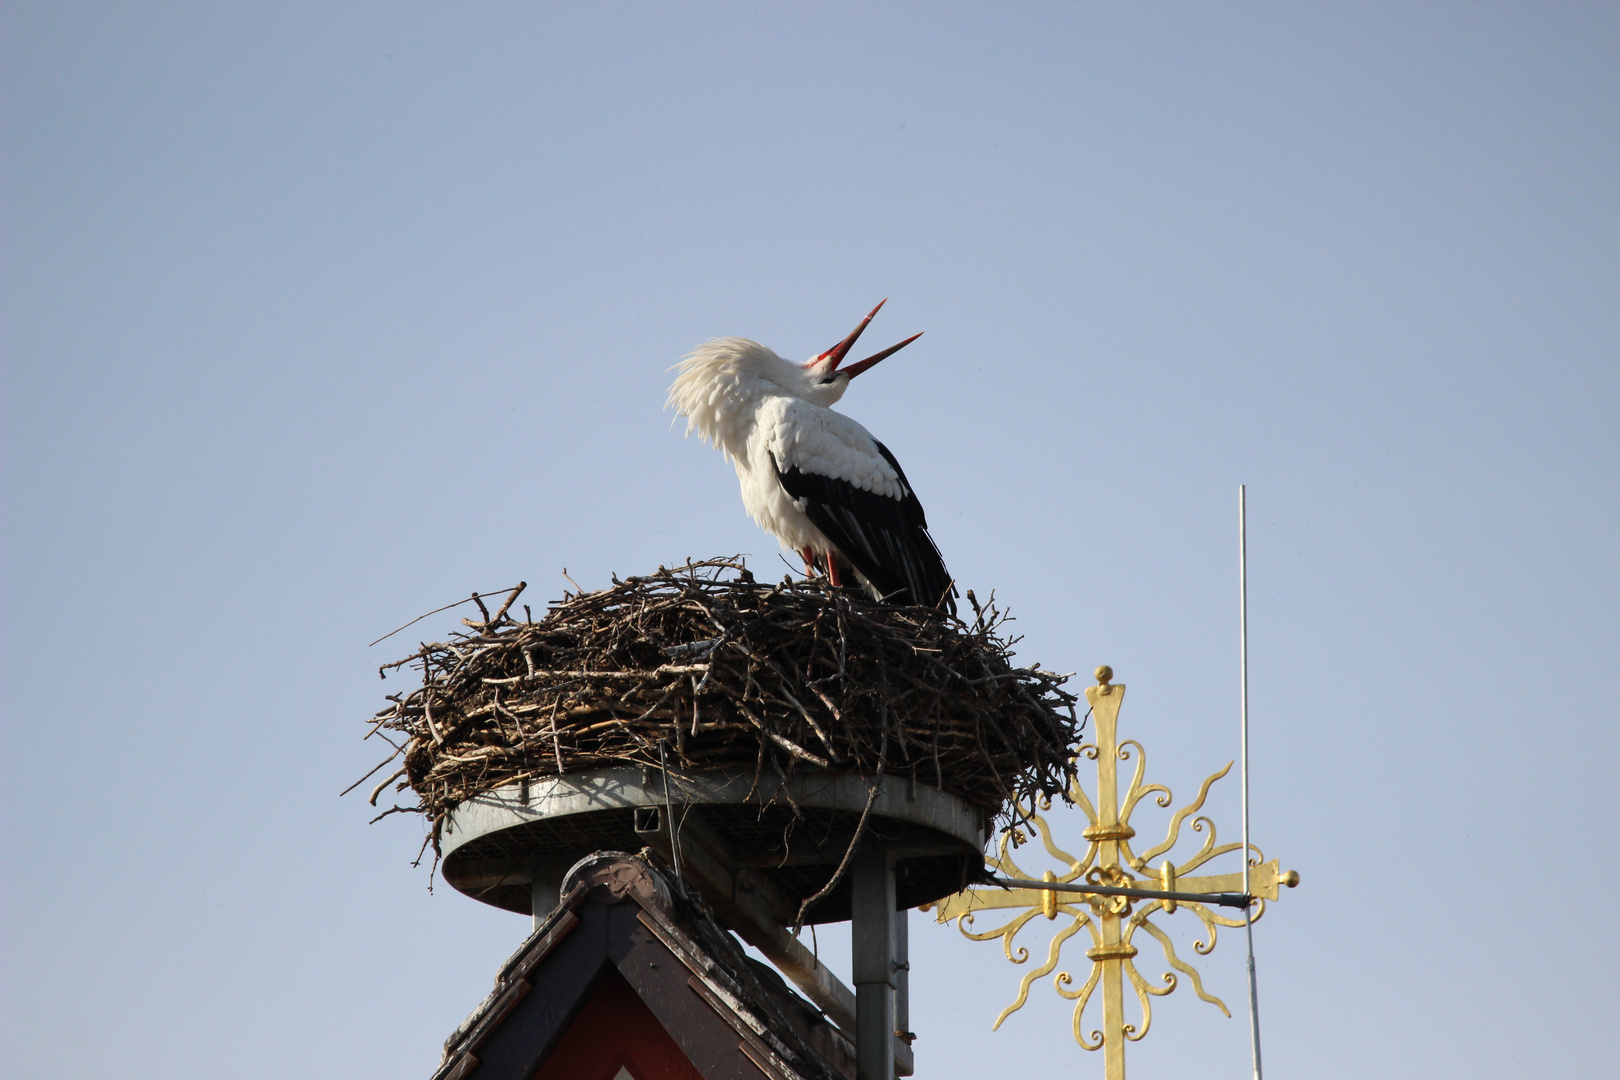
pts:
pixel 827 380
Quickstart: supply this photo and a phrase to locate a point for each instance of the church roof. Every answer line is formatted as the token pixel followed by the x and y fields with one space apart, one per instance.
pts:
pixel 630 950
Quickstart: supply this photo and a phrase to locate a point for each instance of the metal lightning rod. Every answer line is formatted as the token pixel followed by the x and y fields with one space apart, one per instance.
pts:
pixel 1243 679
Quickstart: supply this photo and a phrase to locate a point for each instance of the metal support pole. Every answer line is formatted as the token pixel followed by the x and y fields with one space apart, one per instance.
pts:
pixel 1243 673
pixel 669 814
pixel 872 903
pixel 902 972
pixel 543 894
pixel 1243 773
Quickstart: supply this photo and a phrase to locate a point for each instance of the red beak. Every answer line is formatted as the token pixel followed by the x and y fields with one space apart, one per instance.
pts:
pixel 839 351
pixel 855 369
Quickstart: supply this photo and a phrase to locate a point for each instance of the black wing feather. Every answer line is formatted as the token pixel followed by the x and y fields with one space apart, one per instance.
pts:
pixel 885 539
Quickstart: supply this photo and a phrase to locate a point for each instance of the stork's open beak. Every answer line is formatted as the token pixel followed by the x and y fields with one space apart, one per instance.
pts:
pixel 840 350
pixel 856 368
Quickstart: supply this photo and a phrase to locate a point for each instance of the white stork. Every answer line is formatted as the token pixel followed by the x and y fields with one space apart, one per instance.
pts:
pixel 813 478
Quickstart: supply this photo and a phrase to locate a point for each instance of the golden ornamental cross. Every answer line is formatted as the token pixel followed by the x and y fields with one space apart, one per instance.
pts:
pixel 1101 890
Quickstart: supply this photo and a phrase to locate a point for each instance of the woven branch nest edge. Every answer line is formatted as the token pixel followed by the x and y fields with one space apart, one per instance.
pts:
pixel 703 667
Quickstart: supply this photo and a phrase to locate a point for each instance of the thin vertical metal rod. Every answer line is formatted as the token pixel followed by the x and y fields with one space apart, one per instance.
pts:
pixel 669 813
pixel 1243 697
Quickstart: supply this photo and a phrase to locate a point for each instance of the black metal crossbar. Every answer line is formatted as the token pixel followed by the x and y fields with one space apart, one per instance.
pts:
pixel 1220 899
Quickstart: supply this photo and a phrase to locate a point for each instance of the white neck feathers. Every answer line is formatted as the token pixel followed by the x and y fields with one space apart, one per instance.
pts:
pixel 720 385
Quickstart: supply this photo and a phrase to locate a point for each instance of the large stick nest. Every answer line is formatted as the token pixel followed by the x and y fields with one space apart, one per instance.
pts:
pixel 703 667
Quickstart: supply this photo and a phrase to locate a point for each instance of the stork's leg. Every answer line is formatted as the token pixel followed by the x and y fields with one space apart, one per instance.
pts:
pixel 809 561
pixel 832 568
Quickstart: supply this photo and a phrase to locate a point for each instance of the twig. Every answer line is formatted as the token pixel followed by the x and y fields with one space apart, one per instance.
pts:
pixel 368 775
pixel 501 614
pixel 849 852
pixel 378 790
pixel 556 743
pixel 424 615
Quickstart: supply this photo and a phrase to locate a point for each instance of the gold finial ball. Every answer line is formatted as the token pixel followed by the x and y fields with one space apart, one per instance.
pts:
pixel 1104 674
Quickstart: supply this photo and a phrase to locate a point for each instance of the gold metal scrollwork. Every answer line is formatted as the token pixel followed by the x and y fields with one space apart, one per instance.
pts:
pixel 1111 922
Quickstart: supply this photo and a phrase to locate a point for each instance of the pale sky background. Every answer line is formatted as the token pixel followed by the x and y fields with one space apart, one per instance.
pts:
pixel 319 316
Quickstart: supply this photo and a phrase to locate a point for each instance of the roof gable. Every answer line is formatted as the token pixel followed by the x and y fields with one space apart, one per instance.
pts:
pixel 615 1035
pixel 633 942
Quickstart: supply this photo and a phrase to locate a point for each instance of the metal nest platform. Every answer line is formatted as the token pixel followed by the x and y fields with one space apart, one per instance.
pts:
pixel 509 847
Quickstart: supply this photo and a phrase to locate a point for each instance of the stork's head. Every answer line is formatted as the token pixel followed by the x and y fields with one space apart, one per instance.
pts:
pixel 721 382
pixel 827 381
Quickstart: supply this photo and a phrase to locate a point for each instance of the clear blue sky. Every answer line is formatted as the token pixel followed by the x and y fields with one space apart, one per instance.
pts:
pixel 319 316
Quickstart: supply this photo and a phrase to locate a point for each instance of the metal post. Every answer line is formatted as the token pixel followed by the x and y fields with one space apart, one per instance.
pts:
pixel 1111 950
pixel 872 903
pixel 1243 696
pixel 1243 674
pixel 669 814
pixel 902 971
pixel 543 898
